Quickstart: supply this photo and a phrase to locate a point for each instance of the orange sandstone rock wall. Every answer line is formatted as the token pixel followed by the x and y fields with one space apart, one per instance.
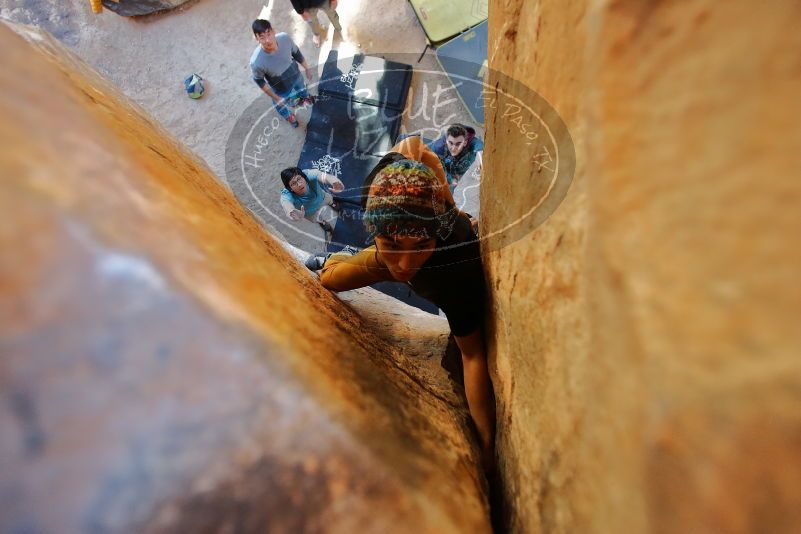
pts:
pixel 167 366
pixel 645 339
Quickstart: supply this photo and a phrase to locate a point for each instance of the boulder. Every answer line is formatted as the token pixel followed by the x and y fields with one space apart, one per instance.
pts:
pixel 168 366
pixel 136 8
pixel 644 338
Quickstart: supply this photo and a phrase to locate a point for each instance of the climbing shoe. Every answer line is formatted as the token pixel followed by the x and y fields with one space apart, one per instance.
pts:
pixel 335 206
pixel 308 101
pixel 315 262
pixel 349 250
pixel 293 121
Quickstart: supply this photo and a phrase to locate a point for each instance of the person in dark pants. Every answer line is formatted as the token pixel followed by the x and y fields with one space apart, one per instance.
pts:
pixel 308 10
pixel 421 239
pixel 274 65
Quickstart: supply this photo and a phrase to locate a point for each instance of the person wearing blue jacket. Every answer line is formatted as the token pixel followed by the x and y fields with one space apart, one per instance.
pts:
pixel 457 150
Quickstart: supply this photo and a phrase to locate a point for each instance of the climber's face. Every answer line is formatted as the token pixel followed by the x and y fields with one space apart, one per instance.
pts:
pixel 404 256
pixel 297 184
pixel 455 144
pixel 267 40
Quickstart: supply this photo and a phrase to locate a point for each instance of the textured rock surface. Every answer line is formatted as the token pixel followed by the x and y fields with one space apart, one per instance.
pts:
pixel 167 366
pixel 422 336
pixel 645 338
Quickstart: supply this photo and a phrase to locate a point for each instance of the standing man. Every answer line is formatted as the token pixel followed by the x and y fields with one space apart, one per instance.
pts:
pixel 457 150
pixel 274 65
pixel 308 10
pixel 423 241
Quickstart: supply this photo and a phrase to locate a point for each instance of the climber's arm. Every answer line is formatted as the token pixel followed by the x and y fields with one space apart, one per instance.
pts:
pixel 269 92
pixel 478 389
pixel 331 180
pixel 287 205
pixel 342 272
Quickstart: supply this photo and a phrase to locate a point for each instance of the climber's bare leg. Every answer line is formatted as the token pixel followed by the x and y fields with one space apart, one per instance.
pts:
pixel 478 389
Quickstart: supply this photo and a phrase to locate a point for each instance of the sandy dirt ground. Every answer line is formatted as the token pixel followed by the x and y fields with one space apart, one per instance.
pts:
pixel 149 57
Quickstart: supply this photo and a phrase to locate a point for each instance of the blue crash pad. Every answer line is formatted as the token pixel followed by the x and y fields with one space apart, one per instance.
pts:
pixel 464 59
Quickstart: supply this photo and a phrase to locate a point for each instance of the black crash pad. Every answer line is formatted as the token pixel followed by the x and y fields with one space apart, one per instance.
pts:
pixel 464 59
pixel 349 125
pixel 355 120
pixel 366 79
pixel 350 167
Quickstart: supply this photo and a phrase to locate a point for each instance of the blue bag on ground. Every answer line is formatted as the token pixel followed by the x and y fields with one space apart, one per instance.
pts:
pixel 194 86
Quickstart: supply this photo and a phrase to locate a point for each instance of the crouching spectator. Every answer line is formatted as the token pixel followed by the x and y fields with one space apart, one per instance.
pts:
pixel 303 196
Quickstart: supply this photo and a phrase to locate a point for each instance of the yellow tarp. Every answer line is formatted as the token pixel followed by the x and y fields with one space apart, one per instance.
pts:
pixel 442 19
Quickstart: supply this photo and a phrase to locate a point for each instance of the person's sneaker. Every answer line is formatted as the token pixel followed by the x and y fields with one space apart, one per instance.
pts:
pixel 315 262
pixel 349 250
pixel 293 121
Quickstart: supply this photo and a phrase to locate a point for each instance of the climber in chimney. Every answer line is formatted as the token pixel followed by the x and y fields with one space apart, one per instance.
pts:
pixel 274 66
pixel 421 239
pixel 303 196
pixel 458 149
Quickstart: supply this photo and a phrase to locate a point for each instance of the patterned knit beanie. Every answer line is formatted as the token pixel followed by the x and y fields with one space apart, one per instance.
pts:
pixel 406 199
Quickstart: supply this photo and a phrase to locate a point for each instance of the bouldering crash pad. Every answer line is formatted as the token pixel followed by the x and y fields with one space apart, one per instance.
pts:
pixel 367 79
pixel 464 59
pixel 350 125
pixel 443 19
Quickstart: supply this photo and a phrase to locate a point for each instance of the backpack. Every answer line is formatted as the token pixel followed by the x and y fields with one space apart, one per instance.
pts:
pixel 194 86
